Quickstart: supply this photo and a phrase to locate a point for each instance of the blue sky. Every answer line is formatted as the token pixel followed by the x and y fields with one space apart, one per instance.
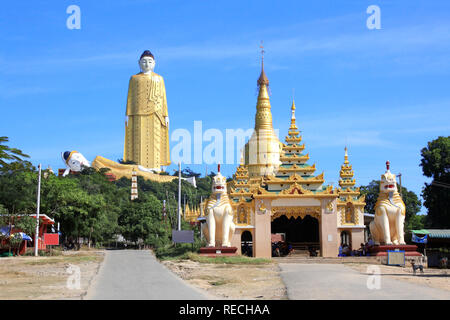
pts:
pixel 383 93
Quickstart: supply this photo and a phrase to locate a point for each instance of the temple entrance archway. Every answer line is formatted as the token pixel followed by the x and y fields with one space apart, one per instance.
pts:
pixel 346 239
pixel 247 243
pixel 301 233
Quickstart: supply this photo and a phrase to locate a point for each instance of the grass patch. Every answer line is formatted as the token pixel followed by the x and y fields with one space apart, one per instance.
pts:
pixel 63 259
pixel 179 252
pixel 228 259
pixel 184 251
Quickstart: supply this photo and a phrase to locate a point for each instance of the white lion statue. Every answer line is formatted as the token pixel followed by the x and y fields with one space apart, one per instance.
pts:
pixel 219 227
pixel 388 225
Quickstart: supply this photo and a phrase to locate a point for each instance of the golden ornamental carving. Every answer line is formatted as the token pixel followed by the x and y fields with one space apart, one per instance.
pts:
pixel 294 157
pixel 260 190
pixel 349 214
pixel 330 206
pixel 293 139
pixel 262 208
pixel 342 215
pixel 295 212
pixel 329 190
pixel 320 177
pixel 296 189
pixel 294 147
pixel 295 177
pixel 242 216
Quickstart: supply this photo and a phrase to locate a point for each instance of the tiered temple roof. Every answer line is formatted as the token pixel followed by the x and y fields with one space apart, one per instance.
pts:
pixel 294 177
pixel 347 191
pixel 240 188
pixel 350 197
pixel 191 214
pixel 294 172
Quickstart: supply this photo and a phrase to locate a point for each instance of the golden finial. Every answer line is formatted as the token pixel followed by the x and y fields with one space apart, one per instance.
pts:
pixel 262 78
pixel 346 156
pixel 293 125
pixel 261 46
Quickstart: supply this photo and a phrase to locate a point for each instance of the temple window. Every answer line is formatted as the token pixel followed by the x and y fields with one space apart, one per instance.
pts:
pixel 242 215
pixel 349 213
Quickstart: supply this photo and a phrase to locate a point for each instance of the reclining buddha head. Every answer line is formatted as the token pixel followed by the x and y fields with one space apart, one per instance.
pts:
pixel 388 182
pixel 219 183
pixel 75 160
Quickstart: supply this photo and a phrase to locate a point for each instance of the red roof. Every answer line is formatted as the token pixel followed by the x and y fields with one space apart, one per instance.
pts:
pixel 46 219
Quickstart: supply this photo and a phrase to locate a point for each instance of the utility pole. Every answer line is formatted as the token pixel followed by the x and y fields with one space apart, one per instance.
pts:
pixel 36 236
pixel 400 182
pixel 201 215
pixel 179 196
pixel 164 211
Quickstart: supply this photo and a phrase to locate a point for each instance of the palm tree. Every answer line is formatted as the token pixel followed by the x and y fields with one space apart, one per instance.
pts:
pixel 7 153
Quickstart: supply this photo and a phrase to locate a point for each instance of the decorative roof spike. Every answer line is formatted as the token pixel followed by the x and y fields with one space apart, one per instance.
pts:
pixel 346 174
pixel 346 156
pixel 263 80
pixel 293 125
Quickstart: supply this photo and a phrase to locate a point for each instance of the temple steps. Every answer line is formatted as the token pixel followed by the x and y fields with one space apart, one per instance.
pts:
pixel 335 260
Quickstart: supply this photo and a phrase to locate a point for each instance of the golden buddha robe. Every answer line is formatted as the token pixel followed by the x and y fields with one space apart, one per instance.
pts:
pixel 146 130
pixel 126 170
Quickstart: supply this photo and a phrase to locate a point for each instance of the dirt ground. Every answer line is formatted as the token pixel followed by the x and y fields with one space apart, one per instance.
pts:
pixel 45 278
pixel 228 281
pixel 40 278
pixel 232 281
pixel 435 278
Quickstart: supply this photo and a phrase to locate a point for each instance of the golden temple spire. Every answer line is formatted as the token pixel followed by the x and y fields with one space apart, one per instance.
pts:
pixel 263 118
pixel 293 125
pixel 262 151
pixel 346 173
pixel 346 156
pixel 263 80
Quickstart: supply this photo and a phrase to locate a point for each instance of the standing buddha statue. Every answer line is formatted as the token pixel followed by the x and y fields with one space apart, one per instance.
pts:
pixel 147 118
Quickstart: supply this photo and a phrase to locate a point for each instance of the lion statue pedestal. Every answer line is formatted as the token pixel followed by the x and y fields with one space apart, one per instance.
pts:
pixel 219 227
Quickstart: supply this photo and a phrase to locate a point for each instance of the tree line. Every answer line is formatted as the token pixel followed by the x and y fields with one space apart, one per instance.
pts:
pixel 87 205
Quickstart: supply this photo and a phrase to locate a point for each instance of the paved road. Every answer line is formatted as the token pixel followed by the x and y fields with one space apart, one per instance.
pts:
pixel 336 281
pixel 136 274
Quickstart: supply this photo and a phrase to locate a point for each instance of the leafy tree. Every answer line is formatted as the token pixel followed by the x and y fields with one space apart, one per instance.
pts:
pixel 435 164
pixel 26 223
pixel 4 220
pixel 7 153
pixel 411 200
pixel 141 220
pixel 88 205
pixel 18 191
pixel 17 166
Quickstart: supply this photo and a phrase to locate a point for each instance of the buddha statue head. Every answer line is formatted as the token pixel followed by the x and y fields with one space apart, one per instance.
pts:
pixel 147 62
